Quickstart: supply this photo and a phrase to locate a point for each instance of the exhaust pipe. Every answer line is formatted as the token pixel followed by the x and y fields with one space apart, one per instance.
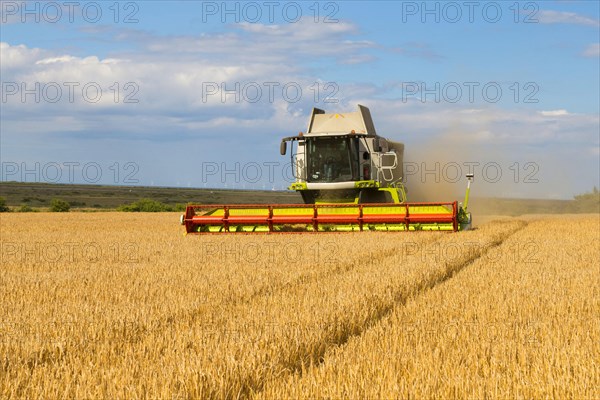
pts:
pixel 469 180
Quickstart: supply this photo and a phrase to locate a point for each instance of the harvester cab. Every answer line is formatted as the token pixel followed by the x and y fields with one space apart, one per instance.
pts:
pixel 350 179
pixel 341 159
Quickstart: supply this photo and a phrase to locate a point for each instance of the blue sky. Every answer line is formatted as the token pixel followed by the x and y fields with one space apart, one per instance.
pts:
pixel 510 88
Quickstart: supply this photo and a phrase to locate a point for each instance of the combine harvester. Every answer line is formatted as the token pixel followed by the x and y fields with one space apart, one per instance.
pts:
pixel 350 180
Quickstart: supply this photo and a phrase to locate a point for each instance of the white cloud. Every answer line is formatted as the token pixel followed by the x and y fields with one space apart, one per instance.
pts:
pixel 564 17
pixel 52 60
pixel 297 43
pixel 593 50
pixel 416 121
pixel 165 84
pixel 554 113
pixel 15 57
pixel 189 93
pixel 206 76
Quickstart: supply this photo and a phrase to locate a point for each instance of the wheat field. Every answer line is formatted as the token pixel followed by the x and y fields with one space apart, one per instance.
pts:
pixel 118 305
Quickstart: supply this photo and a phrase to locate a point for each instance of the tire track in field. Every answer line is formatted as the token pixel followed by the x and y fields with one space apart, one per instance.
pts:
pixel 337 329
pixel 338 269
pixel 137 331
pixel 306 278
pixel 381 308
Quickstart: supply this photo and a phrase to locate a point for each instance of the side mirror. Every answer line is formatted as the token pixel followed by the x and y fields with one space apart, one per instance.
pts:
pixel 283 147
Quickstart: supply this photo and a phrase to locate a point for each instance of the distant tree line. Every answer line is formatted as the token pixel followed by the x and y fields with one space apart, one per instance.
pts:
pixel 588 202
